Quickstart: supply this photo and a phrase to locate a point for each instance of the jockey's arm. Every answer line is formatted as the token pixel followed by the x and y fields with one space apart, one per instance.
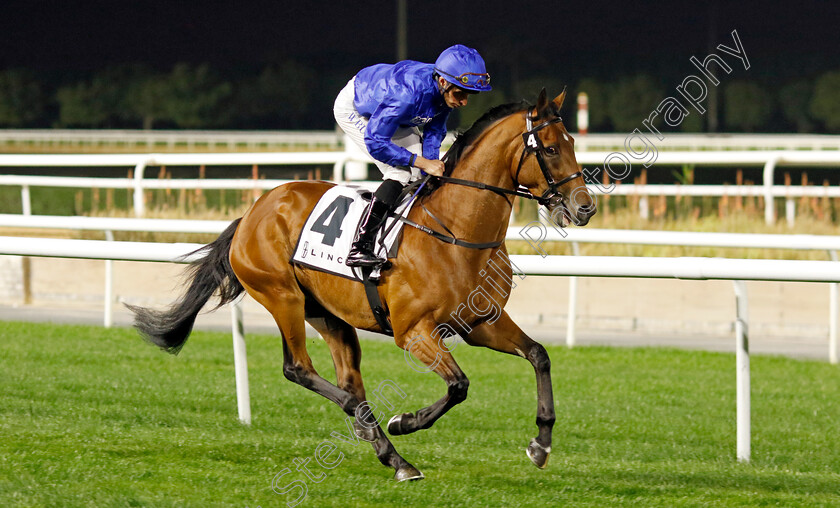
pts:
pixel 431 166
pixel 433 134
pixel 383 123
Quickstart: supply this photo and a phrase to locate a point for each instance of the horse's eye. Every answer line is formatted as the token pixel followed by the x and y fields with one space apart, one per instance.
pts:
pixel 550 150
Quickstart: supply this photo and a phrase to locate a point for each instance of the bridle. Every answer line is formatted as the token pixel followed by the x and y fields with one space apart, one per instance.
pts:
pixel 552 195
pixel 533 145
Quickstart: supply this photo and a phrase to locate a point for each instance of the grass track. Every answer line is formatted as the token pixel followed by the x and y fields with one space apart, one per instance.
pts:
pixel 94 417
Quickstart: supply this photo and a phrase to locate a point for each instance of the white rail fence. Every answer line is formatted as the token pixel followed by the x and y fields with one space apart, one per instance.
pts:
pixel 230 140
pixel 139 163
pixel 333 140
pixel 768 160
pixel 737 270
pixel 534 233
pixel 715 142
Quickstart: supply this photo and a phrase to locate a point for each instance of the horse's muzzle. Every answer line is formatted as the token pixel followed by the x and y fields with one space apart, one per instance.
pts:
pixel 584 213
pixel 559 209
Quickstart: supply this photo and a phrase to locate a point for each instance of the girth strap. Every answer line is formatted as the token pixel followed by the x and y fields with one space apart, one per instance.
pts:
pixel 375 302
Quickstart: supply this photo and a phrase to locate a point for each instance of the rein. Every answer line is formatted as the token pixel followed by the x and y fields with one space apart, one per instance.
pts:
pixel 521 192
pixel 533 144
pixel 450 238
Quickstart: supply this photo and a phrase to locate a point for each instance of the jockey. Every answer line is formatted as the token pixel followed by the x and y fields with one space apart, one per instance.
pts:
pixel 381 109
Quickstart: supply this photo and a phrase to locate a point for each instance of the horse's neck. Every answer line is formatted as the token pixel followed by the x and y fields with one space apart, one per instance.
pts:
pixel 477 215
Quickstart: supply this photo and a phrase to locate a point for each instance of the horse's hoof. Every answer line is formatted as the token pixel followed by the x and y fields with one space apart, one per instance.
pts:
pixel 408 472
pixel 395 425
pixel 538 453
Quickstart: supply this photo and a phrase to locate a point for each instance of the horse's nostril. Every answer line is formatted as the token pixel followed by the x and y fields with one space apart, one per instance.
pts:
pixel 586 210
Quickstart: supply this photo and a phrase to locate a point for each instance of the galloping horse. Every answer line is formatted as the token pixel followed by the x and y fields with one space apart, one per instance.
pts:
pixel 508 150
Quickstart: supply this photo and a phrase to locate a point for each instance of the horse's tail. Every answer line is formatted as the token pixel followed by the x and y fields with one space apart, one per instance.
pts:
pixel 170 329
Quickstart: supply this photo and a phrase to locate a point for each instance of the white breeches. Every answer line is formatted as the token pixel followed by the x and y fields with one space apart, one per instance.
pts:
pixel 354 125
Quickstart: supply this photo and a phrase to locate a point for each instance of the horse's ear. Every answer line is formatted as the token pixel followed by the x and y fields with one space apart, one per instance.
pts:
pixel 560 98
pixel 542 102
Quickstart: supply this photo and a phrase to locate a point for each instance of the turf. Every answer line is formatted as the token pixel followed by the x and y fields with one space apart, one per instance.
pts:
pixel 95 417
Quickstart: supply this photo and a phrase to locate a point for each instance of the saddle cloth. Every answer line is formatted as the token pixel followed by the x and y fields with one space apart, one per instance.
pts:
pixel 328 233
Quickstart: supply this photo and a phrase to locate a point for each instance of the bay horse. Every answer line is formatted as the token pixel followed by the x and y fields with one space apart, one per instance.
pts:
pixel 426 285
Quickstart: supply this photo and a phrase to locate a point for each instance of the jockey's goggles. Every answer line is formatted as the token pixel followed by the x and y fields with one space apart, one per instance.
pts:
pixel 471 80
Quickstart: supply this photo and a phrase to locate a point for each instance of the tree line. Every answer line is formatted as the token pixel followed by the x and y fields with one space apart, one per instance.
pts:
pixel 289 95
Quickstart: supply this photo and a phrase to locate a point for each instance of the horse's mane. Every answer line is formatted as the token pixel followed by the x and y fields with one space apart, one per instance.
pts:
pixel 466 138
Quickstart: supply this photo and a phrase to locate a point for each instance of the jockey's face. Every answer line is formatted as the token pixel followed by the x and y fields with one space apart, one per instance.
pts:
pixel 455 97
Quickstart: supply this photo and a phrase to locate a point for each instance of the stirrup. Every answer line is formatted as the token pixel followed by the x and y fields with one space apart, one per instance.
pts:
pixel 363 257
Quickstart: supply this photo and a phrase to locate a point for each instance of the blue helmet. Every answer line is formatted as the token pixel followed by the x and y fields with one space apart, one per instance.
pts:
pixel 464 68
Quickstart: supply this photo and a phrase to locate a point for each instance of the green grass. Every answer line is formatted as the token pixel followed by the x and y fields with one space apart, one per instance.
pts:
pixel 95 417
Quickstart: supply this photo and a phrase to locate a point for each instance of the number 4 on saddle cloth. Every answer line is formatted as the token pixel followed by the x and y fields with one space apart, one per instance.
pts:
pixel 326 237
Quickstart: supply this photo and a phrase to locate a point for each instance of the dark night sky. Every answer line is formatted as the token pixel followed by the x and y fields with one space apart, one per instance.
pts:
pixel 781 38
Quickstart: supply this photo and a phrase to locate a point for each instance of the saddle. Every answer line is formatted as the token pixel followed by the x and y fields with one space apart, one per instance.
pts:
pixel 327 234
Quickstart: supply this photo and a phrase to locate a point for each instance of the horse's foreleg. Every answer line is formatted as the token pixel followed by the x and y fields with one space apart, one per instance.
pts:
pixel 347 355
pixel 505 336
pixel 425 349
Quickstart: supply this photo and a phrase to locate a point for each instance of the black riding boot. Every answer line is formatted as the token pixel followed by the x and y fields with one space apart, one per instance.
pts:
pixel 361 254
pixel 382 202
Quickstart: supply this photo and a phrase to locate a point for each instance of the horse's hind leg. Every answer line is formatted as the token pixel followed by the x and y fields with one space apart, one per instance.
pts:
pixel 346 354
pixel 288 310
pixel 505 336
pixel 288 313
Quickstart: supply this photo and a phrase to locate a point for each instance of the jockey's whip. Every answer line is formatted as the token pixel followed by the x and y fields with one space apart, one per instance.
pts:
pixel 420 187
pixel 413 196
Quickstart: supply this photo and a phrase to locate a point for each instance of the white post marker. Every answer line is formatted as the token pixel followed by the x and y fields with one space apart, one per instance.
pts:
pixel 742 372
pixel 834 300
pixel 240 362
pixel 573 292
pixel 583 113
pixel 25 200
pixel 108 319
pixel 139 197
pixel 769 203
pixel 354 169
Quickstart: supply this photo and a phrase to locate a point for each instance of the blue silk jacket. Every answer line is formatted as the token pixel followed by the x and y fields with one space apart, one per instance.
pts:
pixel 400 95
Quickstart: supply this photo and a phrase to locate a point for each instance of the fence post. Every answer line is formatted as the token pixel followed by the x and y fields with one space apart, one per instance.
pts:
pixel 108 318
pixel 338 170
pixel 769 204
pixel 26 261
pixel 25 200
pixel 834 296
pixel 570 321
pixel 240 362
pixel 644 207
pixel 742 371
pixel 790 212
pixel 139 198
